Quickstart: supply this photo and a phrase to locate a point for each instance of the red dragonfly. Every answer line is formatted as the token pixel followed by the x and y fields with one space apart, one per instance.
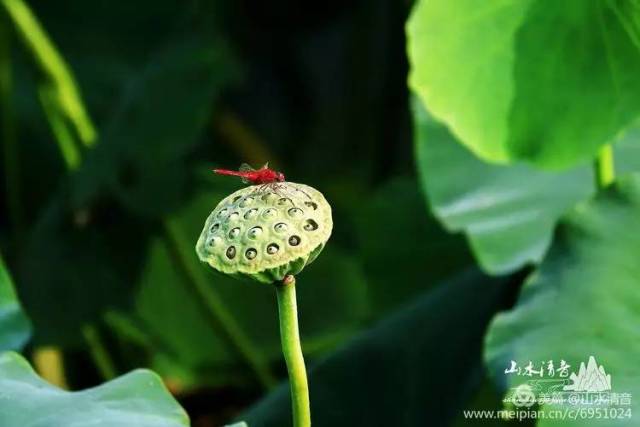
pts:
pixel 249 175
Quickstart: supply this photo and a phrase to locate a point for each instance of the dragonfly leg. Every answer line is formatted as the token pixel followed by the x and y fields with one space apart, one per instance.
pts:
pixel 276 187
pixel 306 194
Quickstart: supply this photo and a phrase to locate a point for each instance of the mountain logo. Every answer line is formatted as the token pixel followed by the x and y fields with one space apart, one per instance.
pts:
pixel 590 378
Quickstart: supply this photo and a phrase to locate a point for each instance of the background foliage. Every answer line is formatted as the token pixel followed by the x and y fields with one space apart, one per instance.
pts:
pixel 454 140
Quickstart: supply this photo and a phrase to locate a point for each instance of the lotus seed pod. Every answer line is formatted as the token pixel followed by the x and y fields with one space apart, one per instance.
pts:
pixel 266 232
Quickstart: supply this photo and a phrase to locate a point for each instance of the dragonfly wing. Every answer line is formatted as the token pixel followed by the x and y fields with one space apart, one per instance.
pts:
pixel 246 168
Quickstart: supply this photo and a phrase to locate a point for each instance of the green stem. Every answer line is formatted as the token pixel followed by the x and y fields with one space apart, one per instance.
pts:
pixel 292 350
pixel 63 135
pixel 604 167
pixel 99 351
pixel 53 67
pixel 215 307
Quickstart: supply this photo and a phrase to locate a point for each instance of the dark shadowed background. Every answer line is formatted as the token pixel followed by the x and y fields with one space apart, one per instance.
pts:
pixel 101 247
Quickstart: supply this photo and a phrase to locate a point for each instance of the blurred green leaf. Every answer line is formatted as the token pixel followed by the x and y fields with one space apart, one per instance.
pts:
pixel 15 328
pixel 499 75
pixel 141 157
pixel 404 250
pixel 138 399
pixel 63 93
pixel 507 212
pixel 583 300
pixel 561 114
pixel 404 370
pixel 441 36
pixel 76 264
pixel 140 160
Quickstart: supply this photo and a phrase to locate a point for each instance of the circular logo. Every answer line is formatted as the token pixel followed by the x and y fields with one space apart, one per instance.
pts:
pixel 574 399
pixel 523 396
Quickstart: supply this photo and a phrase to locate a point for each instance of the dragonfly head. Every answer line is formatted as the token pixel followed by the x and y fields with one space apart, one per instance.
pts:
pixel 280 176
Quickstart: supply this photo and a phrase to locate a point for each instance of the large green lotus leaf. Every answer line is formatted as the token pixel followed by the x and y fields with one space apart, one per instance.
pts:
pixel 561 112
pixel 462 56
pixel 138 399
pixel 406 368
pixel 499 76
pixel 507 211
pixel 15 328
pixel 583 300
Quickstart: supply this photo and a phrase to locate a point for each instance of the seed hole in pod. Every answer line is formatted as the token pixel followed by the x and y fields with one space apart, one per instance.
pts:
pixel 251 213
pixel 312 205
pixel 246 202
pixel 255 232
pixel 213 241
pixel 231 252
pixel 251 253
pixel 234 216
pixel 269 213
pixel 235 199
pixel 310 225
pixel 283 201
pixel 295 213
pixel 280 227
pixel 234 232
pixel 294 240
pixel 272 248
pixel 268 196
pixel 214 227
pixel 223 213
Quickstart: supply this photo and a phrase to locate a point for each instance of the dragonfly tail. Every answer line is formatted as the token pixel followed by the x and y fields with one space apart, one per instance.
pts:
pixel 227 172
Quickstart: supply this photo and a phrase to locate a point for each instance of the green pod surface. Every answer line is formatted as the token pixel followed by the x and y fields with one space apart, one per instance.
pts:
pixel 266 232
